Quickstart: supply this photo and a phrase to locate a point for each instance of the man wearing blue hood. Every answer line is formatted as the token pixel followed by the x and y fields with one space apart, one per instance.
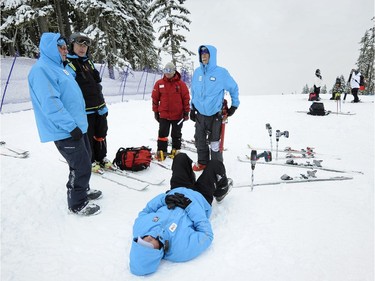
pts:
pixel 59 110
pixel 175 225
pixel 209 84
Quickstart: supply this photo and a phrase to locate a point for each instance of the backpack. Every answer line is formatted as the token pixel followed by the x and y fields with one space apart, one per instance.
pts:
pixel 317 108
pixel 312 96
pixel 133 158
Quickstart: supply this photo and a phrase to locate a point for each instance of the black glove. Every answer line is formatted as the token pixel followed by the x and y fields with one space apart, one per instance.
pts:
pixel 193 114
pixel 157 116
pixel 177 200
pixel 76 134
pixel 231 110
pixel 186 116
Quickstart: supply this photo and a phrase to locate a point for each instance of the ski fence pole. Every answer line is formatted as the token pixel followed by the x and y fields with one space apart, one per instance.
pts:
pixel 6 84
pixel 253 160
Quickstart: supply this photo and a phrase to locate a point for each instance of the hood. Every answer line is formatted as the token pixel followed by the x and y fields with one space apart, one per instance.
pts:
pixel 144 260
pixel 48 47
pixel 213 53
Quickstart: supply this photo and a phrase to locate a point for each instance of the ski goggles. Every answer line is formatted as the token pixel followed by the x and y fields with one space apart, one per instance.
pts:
pixel 83 41
pixel 168 70
pixel 204 50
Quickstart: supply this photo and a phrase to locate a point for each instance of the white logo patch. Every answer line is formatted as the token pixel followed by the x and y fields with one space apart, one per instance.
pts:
pixel 172 227
pixel 200 78
pixel 66 72
pixel 161 86
pixel 213 78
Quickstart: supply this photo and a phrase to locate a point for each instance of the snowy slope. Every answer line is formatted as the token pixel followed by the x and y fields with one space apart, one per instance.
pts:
pixel 313 231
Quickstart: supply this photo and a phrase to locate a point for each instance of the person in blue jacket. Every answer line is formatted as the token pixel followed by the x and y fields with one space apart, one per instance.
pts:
pixel 59 110
pixel 175 226
pixel 209 84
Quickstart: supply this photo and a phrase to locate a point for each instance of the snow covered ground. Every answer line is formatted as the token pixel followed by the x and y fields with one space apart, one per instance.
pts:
pixel 310 231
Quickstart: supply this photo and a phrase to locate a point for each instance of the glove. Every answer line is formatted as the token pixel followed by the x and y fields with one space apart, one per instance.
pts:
pixel 177 200
pixel 231 110
pixel 193 113
pixel 186 116
pixel 76 134
pixel 157 116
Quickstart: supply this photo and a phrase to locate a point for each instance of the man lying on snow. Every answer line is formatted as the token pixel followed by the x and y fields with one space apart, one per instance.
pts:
pixel 175 225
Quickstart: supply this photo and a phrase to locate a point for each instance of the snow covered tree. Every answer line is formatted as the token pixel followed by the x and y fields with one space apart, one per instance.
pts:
pixel 366 58
pixel 173 18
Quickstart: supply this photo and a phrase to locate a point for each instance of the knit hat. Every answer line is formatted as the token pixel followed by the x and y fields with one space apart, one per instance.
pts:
pixel 169 68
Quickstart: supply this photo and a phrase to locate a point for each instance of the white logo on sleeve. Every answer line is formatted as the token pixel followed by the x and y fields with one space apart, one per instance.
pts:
pixel 173 227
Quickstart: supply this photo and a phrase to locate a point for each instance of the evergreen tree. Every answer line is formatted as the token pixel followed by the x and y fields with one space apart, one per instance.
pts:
pixel 173 18
pixel 366 58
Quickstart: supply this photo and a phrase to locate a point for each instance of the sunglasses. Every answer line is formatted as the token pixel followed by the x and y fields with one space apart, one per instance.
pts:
pixel 204 50
pixel 168 70
pixel 83 42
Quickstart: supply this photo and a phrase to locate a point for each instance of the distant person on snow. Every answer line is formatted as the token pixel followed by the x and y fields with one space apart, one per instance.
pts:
pixel 171 106
pixel 175 226
pixel 209 84
pixel 337 90
pixel 60 115
pixel 318 81
pixel 354 80
pixel 88 79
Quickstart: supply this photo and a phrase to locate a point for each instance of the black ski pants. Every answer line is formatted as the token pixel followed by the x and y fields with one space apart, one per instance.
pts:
pixel 212 182
pixel 207 137
pixel 78 156
pixel 97 132
pixel 164 128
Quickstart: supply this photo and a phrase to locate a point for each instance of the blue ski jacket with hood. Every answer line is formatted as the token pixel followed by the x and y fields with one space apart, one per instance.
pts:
pixel 57 100
pixel 209 84
pixel 185 233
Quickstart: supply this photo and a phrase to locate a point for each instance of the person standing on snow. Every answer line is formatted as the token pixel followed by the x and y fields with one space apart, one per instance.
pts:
pixel 175 226
pixel 318 81
pixel 209 84
pixel 354 80
pixel 60 116
pixel 88 78
pixel 170 104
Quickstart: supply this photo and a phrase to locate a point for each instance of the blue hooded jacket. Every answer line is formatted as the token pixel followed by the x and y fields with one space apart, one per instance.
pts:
pixel 209 84
pixel 187 232
pixel 57 100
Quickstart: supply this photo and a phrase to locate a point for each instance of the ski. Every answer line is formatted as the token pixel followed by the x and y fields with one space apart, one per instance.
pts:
pixel 185 145
pixel 13 152
pixel 315 165
pixel 162 164
pixel 308 150
pixel 124 181
pixel 331 112
pixel 137 177
pixel 299 180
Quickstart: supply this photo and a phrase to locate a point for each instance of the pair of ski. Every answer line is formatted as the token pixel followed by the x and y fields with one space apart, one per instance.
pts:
pixel 330 112
pixel 126 179
pixel 316 164
pixel 12 151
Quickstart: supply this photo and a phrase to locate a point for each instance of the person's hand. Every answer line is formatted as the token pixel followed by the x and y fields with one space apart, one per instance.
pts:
pixel 231 110
pixel 186 116
pixel 157 116
pixel 76 134
pixel 177 200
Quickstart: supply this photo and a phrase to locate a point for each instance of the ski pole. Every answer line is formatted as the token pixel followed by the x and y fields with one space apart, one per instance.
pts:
pixel 269 128
pixel 179 122
pixel 6 84
pixel 278 135
pixel 253 160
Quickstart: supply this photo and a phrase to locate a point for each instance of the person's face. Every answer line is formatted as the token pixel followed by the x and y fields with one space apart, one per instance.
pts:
pixel 63 50
pixel 205 57
pixel 80 49
pixel 169 75
pixel 153 241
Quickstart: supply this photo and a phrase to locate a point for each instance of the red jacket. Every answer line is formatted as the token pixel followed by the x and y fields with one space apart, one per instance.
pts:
pixel 171 98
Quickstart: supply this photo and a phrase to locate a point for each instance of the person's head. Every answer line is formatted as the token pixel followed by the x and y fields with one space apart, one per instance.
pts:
pixel 204 55
pixel 338 81
pixel 317 72
pixel 169 70
pixel 145 255
pixel 80 43
pixel 62 47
